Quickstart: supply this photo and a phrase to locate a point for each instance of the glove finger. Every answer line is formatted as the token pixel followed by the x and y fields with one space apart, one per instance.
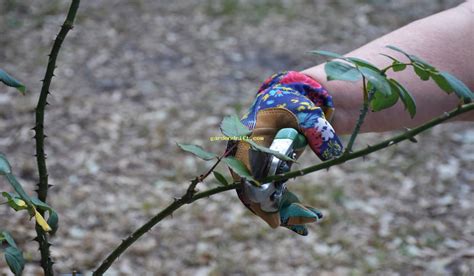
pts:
pixel 249 117
pixel 311 89
pixel 292 212
pixel 272 80
pixel 296 214
pixel 299 229
pixel 320 135
pixel 318 213
pixel 318 131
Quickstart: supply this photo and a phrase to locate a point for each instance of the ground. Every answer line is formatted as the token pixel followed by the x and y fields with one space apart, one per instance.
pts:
pixel 135 77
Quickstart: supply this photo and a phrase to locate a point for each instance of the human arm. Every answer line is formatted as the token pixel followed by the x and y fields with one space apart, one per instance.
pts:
pixel 444 39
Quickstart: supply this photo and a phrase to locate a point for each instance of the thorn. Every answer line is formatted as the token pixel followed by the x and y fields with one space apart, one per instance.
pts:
pixel 413 139
pixel 50 186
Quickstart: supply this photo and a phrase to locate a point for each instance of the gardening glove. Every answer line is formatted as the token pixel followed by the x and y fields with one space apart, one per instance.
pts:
pixel 289 100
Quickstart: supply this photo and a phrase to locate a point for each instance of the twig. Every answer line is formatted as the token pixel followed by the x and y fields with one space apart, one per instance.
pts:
pixel 43 185
pixel 183 200
pixel 363 112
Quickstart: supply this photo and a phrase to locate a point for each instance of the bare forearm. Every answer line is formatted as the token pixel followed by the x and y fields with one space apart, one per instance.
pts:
pixel 444 40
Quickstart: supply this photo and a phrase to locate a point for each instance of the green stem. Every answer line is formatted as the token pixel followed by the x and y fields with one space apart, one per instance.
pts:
pixel 105 265
pixel 43 185
pixel 368 95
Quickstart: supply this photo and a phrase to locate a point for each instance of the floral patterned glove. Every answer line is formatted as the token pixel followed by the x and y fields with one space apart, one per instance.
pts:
pixel 290 99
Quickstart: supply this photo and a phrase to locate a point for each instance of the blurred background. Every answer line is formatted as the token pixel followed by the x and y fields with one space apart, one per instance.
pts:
pixel 135 77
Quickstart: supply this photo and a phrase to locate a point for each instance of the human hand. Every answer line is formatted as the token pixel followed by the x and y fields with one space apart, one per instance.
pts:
pixel 289 100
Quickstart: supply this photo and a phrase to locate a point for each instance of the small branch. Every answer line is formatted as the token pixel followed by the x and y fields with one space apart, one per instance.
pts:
pixel 368 95
pixel 42 190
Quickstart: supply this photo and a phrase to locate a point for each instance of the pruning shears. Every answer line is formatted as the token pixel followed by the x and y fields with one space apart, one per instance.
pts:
pixel 269 195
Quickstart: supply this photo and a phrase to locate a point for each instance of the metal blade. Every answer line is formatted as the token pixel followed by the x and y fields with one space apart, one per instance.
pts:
pixel 259 162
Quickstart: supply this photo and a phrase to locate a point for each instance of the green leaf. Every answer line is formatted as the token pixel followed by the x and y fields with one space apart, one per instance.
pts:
pixel 6 170
pixel 198 151
pixel 336 70
pixel 5 167
pixel 377 80
pixel 362 63
pixel 421 72
pixel 53 221
pixel 381 101
pixel 15 260
pixel 220 178
pixel 9 239
pixel 326 53
pixel 441 82
pixel 459 87
pixel 396 66
pixel 392 58
pixel 40 204
pixel 398 50
pixel 14 201
pixel 413 58
pixel 406 97
pixel 10 81
pixel 421 62
pixel 53 218
pixel 239 168
pixel 18 189
pixel 232 127
pixel 269 151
